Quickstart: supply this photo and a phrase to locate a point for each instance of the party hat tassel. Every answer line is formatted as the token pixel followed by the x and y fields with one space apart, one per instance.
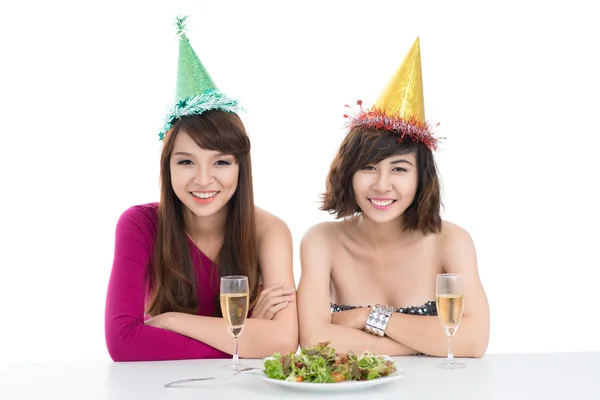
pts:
pixel 180 24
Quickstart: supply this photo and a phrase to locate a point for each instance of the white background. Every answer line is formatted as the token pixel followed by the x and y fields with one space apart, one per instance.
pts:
pixel 84 87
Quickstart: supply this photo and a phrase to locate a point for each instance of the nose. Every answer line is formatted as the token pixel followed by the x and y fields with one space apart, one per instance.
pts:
pixel 382 183
pixel 203 176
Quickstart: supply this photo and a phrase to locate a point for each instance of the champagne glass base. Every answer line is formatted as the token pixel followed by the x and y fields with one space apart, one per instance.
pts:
pixel 233 368
pixel 451 365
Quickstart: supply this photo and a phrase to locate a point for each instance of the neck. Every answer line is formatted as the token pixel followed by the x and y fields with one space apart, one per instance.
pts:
pixel 206 228
pixel 380 235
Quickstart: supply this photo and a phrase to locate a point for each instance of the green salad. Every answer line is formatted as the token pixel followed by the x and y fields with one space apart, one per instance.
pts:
pixel 321 364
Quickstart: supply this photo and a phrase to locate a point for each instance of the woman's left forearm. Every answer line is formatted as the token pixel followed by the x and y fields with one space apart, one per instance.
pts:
pixel 259 338
pixel 425 334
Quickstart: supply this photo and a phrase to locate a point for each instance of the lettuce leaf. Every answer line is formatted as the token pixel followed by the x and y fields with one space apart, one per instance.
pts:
pixel 321 364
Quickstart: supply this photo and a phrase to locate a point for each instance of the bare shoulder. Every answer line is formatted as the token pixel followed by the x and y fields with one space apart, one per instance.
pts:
pixel 457 248
pixel 322 233
pixel 317 247
pixel 453 234
pixel 268 225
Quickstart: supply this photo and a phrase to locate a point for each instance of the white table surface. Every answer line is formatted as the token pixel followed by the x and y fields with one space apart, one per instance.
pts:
pixel 508 376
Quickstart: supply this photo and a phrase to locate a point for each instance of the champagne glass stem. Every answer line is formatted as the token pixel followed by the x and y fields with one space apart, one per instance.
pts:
pixel 236 359
pixel 450 349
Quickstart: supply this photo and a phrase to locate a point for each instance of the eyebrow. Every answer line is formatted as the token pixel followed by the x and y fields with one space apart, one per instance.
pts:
pixel 402 160
pixel 184 154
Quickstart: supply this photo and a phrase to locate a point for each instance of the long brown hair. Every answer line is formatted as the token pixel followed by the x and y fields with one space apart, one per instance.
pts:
pixel 362 147
pixel 173 280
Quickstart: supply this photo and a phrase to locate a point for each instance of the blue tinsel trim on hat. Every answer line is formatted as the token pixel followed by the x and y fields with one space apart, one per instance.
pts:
pixel 209 100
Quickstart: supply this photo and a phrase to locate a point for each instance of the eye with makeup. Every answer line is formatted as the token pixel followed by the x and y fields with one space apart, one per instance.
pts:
pixel 222 163
pixel 216 163
pixel 399 169
pixel 368 168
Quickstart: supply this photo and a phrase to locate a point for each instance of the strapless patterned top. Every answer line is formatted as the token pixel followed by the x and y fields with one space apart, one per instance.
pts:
pixel 428 308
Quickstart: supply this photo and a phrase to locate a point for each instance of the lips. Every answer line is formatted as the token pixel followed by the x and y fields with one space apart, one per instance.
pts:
pixel 204 197
pixel 382 203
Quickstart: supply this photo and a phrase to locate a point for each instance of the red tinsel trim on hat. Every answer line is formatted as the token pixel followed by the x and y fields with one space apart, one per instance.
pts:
pixel 417 131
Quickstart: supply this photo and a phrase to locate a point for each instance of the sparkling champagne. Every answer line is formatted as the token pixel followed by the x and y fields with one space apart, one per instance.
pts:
pixel 234 307
pixel 450 310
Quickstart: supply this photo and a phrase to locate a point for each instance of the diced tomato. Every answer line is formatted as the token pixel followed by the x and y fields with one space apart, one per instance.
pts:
pixel 298 379
pixel 337 377
pixel 341 359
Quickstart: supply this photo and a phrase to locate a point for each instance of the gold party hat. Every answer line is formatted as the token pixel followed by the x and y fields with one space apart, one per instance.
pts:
pixel 403 95
pixel 400 107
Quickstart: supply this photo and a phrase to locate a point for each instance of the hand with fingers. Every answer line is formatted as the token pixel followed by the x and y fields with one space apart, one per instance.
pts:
pixel 273 299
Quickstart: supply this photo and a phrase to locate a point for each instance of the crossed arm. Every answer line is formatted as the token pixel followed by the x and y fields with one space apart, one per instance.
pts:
pixel 261 337
pixel 173 336
pixel 316 324
pixel 405 334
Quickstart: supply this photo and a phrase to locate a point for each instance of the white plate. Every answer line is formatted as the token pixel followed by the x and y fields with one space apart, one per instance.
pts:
pixel 336 386
pixel 340 386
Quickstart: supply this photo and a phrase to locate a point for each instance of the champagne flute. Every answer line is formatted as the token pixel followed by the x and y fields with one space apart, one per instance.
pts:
pixel 450 297
pixel 234 307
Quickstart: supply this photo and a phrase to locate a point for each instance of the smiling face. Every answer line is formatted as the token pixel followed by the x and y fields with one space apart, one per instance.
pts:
pixel 376 174
pixel 203 180
pixel 384 190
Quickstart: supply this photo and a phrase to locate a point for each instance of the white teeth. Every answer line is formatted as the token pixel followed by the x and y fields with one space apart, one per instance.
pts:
pixel 382 203
pixel 204 195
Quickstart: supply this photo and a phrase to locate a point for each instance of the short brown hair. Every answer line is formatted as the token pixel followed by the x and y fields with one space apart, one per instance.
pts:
pixel 362 147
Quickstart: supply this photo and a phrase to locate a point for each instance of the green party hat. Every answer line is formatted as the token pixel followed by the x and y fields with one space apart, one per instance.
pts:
pixel 192 78
pixel 196 91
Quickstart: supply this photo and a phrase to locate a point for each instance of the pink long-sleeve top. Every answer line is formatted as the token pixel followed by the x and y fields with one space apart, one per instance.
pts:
pixel 127 337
